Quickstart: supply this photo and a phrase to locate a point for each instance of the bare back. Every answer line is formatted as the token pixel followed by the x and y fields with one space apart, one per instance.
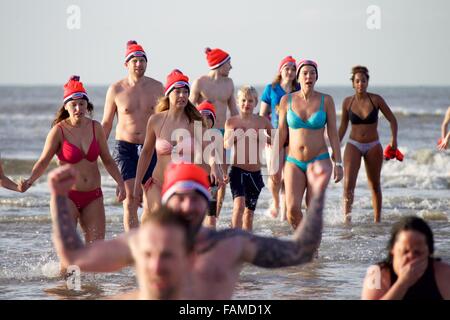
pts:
pixel 134 104
pixel 219 92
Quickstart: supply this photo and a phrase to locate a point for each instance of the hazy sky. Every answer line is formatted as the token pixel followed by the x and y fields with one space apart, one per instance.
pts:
pixel 410 48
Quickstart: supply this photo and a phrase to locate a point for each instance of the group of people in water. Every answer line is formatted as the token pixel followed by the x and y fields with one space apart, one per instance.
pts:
pixel 179 175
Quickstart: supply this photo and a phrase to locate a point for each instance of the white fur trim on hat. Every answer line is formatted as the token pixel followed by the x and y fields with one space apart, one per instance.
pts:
pixel 185 185
pixel 178 84
pixel 220 63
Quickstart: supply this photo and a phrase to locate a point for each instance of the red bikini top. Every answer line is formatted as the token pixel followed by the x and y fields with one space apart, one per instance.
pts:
pixel 70 153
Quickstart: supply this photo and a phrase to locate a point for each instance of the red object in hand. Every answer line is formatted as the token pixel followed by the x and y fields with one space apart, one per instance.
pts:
pixel 439 141
pixel 398 155
pixel 390 153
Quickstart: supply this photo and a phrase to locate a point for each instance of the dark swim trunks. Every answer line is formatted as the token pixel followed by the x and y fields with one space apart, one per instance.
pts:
pixel 126 156
pixel 246 184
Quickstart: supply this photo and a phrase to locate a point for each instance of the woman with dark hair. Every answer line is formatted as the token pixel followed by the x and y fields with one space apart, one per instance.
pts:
pixel 78 140
pixel 285 82
pixel 361 110
pixel 410 271
pixel 174 114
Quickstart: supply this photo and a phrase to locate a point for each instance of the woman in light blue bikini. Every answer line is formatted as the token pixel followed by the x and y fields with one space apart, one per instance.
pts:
pixel 362 111
pixel 306 138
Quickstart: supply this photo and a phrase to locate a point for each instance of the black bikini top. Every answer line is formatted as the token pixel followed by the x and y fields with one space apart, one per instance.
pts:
pixel 371 118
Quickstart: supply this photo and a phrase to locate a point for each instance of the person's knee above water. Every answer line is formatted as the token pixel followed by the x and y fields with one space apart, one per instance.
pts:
pixel 410 271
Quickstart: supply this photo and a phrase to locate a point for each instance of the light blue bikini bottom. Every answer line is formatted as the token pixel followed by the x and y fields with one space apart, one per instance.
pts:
pixel 304 164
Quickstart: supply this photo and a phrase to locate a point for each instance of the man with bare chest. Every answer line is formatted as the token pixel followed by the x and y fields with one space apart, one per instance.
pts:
pixel 133 100
pixel 217 88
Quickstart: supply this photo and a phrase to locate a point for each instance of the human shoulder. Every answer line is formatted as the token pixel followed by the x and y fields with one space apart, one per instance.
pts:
pixel 376 98
pixel 202 79
pixel 117 86
pixel 56 131
pixel 232 238
pixel 376 282
pixel 442 276
pixel 347 100
pixel 442 268
pixel 326 97
pixel 96 124
pixel 156 117
pixel 232 121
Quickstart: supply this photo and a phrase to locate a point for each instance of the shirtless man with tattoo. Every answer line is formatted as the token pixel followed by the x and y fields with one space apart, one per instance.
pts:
pixel 133 100
pixel 220 255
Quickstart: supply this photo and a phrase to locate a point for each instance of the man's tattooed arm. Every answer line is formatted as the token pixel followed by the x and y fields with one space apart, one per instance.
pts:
pixel 272 252
pixel 64 227
pixel 275 253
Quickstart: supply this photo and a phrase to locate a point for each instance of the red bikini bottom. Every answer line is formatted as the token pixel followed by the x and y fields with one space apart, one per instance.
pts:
pixel 82 199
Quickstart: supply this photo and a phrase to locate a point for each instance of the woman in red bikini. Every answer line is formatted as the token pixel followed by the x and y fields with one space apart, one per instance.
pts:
pixel 79 141
pixel 362 111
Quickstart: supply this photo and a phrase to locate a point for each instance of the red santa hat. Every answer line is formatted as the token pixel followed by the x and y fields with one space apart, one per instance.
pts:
pixel 74 89
pixel 285 62
pixel 206 108
pixel 134 50
pixel 176 79
pixel 182 177
pixel 216 57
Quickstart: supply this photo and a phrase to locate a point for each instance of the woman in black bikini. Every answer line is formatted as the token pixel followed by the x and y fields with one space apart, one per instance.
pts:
pixel 362 111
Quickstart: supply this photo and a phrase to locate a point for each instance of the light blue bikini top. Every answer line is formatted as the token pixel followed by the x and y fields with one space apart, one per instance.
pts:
pixel 316 121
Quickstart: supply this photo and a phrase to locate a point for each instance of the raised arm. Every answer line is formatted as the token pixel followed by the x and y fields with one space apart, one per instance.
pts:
pixel 275 253
pixel 389 115
pixel 100 256
pixel 109 111
pixel 108 161
pixel 344 120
